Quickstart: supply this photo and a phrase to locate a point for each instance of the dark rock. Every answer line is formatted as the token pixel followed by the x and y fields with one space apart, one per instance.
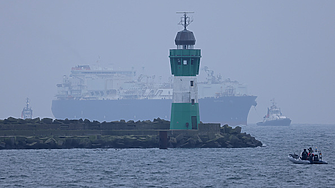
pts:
pixel 10 120
pixel 71 143
pixel 46 120
pixel 21 121
pixel 51 142
pixel 172 142
pixel 57 121
pixel 2 145
pixel 198 140
pixel 146 121
pixel 86 134
pixel 226 129
pixel 189 143
pixel 36 120
pixel 66 121
pixel 236 130
pixel 212 144
pixel 74 121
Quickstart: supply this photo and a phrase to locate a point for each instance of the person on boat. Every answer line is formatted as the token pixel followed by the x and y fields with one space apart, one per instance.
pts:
pixel 310 154
pixel 310 150
pixel 304 155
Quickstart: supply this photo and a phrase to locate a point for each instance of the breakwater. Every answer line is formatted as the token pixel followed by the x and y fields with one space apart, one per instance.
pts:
pixel 47 133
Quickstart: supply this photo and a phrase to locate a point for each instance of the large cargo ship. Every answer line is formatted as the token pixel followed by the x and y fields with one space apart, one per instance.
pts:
pixel 104 94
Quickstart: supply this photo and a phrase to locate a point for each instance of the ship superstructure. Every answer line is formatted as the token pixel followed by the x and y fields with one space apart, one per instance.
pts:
pixel 105 94
pixel 86 83
pixel 27 112
pixel 274 117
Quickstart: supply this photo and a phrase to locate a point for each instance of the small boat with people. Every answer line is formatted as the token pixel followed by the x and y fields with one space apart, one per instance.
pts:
pixel 310 157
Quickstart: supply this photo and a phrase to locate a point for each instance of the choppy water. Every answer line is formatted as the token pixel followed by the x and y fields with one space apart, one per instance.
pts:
pixel 247 167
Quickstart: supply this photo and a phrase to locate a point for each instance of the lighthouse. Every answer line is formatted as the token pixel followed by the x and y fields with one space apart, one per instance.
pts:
pixel 185 63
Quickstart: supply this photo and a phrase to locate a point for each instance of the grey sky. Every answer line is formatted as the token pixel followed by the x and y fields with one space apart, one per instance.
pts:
pixel 280 49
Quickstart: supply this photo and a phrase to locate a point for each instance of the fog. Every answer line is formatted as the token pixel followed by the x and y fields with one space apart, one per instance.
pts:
pixel 279 49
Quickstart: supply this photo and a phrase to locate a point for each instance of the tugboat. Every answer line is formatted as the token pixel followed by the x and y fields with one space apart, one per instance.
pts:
pixel 274 117
pixel 27 112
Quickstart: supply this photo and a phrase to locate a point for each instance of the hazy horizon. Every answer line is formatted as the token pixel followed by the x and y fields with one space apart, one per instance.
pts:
pixel 279 49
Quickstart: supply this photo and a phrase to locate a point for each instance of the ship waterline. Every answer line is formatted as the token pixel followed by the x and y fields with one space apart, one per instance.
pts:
pixel 232 110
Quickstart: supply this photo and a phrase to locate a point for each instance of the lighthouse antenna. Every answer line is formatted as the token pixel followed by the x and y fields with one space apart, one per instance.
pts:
pixel 185 20
pixel 27 102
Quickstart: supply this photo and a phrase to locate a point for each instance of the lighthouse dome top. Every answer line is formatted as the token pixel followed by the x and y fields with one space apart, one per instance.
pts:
pixel 185 37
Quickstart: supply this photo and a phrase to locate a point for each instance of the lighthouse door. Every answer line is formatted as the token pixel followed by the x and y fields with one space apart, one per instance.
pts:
pixel 194 122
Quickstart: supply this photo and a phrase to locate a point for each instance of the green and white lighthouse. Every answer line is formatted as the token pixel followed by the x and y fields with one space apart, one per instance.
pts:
pixel 185 63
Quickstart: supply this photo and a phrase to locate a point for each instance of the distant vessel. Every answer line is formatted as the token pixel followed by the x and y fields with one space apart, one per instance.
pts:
pixel 274 117
pixel 27 112
pixel 104 94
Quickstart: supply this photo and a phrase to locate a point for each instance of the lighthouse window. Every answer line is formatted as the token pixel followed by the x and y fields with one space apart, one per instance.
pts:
pixel 185 62
pixel 192 100
pixel 191 83
pixel 179 62
pixel 192 60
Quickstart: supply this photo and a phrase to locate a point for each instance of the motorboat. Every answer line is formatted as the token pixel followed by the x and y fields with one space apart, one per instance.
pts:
pixel 314 158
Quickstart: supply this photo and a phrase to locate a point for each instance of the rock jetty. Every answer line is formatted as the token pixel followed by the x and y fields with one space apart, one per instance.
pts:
pixel 48 133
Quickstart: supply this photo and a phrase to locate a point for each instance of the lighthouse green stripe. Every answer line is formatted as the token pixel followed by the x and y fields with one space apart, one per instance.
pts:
pixel 185 62
pixel 183 113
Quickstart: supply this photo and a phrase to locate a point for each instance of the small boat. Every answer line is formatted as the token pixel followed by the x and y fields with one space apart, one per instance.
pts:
pixel 274 117
pixel 316 158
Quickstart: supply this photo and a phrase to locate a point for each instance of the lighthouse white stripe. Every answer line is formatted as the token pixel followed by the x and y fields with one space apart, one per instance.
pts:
pixel 183 92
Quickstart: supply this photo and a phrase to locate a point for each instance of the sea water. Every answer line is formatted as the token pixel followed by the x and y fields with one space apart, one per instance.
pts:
pixel 265 166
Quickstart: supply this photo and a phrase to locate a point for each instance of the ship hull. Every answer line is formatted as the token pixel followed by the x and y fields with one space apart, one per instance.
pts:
pixel 232 110
pixel 279 122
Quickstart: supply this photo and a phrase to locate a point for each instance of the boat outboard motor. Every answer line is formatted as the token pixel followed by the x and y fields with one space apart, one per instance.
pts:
pixel 316 158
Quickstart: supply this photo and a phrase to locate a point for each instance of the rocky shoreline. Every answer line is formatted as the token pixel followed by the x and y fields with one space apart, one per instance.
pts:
pixel 64 134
